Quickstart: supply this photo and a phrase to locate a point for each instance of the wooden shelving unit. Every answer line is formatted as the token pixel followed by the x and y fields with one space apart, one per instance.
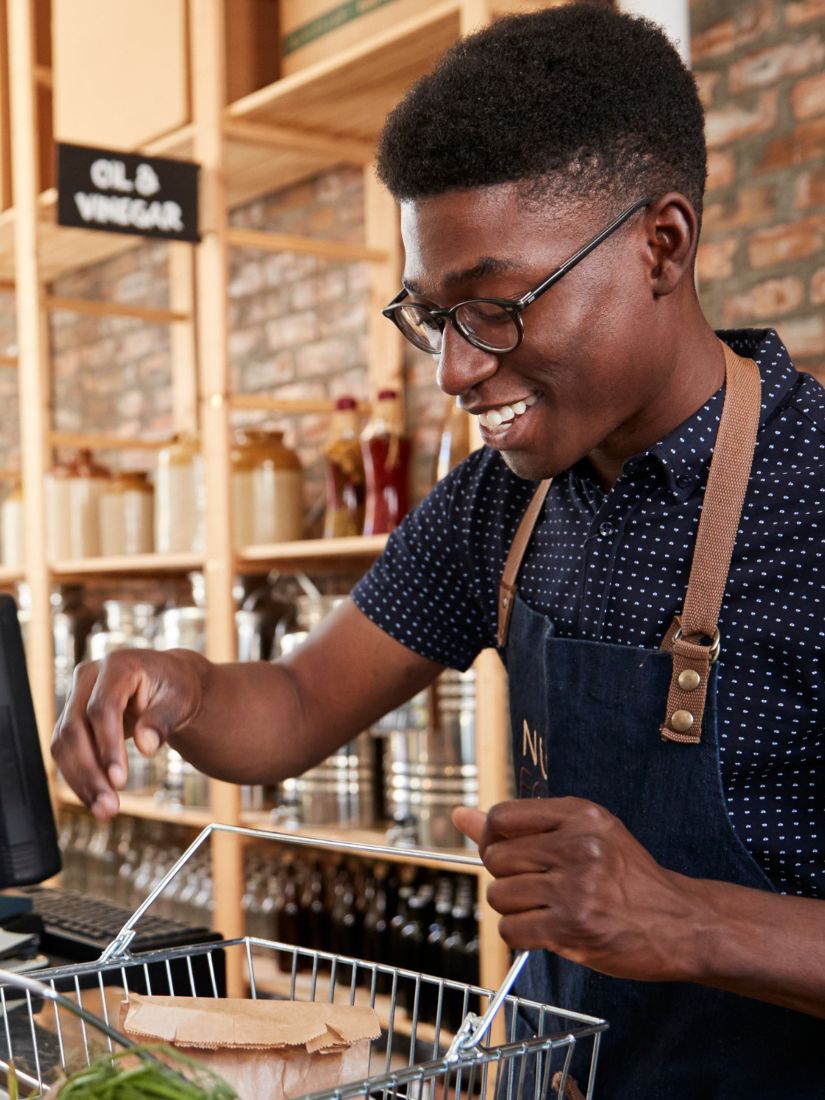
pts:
pixel 291 130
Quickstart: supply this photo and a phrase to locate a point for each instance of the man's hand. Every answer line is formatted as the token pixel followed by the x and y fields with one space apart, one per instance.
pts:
pixel 132 693
pixel 570 878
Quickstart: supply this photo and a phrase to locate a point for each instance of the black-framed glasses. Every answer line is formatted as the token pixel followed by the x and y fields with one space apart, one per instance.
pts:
pixel 491 324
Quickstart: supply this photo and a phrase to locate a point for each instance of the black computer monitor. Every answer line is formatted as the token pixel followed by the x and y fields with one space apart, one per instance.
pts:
pixel 28 839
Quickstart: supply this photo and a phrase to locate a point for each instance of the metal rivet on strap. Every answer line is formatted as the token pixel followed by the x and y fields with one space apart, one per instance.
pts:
pixel 681 720
pixel 689 680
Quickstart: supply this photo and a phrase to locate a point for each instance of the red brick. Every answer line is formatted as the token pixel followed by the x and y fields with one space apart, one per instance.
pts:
pixel 806 142
pixel 721 168
pixel 715 261
pixel 801 11
pixel 789 242
pixel 750 205
pixel 773 298
pixel 808 97
pixel 770 65
pixel 809 189
pixel 735 121
pixel 804 336
pixel 818 287
pixel 744 26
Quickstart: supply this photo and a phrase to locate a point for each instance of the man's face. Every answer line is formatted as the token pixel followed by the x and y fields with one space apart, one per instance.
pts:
pixel 579 380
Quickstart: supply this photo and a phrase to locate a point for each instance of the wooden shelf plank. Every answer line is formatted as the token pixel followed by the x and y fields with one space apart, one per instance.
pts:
pixel 147 807
pixel 96 308
pixel 136 565
pixel 98 441
pixel 331 550
pixel 333 836
pixel 346 97
pixel 294 405
pixel 10 575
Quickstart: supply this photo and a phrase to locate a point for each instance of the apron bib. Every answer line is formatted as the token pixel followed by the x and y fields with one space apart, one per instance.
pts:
pixel 611 723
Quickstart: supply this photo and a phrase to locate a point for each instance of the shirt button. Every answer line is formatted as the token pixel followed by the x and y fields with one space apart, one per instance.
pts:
pixel 683 480
pixel 606 530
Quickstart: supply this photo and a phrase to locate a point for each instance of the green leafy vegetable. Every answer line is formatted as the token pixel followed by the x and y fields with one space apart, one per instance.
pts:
pixel 167 1075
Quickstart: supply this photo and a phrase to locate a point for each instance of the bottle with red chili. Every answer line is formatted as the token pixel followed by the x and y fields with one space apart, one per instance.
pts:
pixel 386 452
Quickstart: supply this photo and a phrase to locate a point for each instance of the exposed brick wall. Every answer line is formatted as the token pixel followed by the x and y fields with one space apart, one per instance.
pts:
pixel 298 323
pixel 760 71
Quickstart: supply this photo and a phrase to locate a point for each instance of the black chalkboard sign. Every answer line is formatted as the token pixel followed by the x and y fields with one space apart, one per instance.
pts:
pixel 127 193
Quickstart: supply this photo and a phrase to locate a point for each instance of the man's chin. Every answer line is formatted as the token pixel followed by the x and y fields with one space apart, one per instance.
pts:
pixel 533 467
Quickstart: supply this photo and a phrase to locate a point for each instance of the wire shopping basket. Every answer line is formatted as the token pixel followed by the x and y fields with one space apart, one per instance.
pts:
pixel 506 1047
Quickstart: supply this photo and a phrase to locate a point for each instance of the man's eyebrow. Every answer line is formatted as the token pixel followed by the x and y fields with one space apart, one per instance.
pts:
pixel 487 265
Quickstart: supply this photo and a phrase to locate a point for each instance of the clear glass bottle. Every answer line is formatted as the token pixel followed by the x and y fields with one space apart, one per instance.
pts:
pixel 386 452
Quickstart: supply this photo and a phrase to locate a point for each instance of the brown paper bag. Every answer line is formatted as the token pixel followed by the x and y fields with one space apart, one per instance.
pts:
pixel 267 1050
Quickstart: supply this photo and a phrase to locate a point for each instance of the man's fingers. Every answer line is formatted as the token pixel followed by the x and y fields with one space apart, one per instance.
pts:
pixel 75 755
pixel 471 822
pixel 531 816
pixel 115 685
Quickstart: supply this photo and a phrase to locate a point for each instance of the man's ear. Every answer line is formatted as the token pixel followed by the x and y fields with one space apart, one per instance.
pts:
pixel 672 234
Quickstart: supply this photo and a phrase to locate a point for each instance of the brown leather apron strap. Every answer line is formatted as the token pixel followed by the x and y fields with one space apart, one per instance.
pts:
pixel 693 637
pixel 518 548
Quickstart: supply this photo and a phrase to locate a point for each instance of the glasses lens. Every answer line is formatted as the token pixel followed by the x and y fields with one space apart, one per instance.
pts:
pixel 420 327
pixel 488 324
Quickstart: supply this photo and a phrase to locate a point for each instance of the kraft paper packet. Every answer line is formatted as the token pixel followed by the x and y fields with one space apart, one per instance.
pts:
pixel 267 1050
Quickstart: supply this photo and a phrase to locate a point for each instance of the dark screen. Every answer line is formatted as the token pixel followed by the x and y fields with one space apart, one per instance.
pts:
pixel 28 839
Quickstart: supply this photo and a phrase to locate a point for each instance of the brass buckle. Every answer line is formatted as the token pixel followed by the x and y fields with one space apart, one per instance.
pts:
pixel 715 647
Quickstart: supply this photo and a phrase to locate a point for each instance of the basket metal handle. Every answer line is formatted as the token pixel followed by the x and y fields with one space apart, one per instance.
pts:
pixel 474 1027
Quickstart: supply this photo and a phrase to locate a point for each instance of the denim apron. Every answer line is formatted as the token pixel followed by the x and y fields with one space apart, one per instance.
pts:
pixel 587 720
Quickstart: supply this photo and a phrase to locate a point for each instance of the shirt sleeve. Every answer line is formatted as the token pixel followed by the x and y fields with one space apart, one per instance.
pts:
pixel 421 591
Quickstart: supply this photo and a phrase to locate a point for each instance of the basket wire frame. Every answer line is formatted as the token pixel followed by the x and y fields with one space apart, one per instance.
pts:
pixel 415 1058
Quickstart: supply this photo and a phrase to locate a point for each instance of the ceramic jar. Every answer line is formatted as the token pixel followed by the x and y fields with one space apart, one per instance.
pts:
pixel 127 515
pixel 179 498
pixel 12 533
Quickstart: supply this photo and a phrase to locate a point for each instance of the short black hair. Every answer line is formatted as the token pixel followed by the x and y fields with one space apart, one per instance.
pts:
pixel 577 101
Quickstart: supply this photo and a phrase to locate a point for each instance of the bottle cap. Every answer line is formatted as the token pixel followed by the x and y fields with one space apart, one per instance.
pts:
pixel 346 403
pixel 386 395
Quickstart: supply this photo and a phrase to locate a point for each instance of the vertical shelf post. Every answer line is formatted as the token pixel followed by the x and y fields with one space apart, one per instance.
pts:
pixel 385 363
pixel 492 718
pixel 208 87
pixel 33 359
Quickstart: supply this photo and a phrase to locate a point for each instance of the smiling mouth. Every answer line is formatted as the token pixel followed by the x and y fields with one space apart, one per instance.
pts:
pixel 505 415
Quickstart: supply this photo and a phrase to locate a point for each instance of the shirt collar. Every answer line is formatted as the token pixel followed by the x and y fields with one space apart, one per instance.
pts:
pixel 683 455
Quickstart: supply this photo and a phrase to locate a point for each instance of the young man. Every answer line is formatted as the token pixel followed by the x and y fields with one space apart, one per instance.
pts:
pixel 664 858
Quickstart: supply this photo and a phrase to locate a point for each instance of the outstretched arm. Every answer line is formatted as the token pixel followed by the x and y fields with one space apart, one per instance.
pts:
pixel 246 723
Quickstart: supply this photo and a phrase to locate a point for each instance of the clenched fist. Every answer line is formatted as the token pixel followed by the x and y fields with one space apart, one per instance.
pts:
pixel 570 878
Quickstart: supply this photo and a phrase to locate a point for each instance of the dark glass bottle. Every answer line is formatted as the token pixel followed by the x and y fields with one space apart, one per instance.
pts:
pixel 413 940
pixel 454 953
pixel 289 930
pixel 436 935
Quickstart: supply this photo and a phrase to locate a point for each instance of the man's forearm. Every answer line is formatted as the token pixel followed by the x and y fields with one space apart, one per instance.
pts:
pixel 250 725
pixel 758 944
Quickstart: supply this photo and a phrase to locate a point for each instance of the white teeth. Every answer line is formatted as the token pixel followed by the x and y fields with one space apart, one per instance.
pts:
pixel 506 414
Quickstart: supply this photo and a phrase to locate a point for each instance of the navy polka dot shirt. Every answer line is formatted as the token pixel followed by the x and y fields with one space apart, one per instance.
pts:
pixel 614 567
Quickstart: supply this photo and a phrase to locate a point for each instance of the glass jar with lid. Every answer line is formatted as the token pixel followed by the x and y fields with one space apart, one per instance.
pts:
pixel 127 515
pixel 86 485
pixel 12 533
pixel 277 489
pixel 179 497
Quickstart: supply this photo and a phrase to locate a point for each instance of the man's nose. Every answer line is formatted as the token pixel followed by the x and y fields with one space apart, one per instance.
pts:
pixel 461 366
